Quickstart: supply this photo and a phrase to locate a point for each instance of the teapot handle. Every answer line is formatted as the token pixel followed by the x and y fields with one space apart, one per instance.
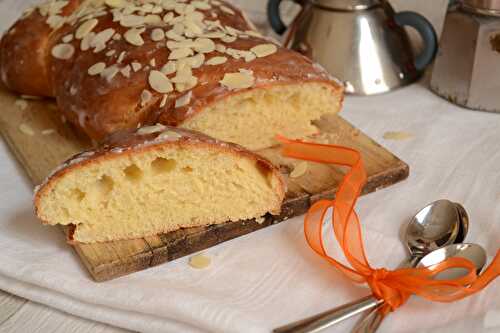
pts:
pixel 274 16
pixel 426 30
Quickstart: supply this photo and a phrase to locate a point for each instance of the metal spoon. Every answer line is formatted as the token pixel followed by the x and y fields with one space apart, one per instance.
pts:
pixel 436 225
pixel 371 321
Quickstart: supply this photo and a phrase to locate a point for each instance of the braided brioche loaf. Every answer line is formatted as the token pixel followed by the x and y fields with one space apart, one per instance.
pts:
pixel 197 64
pixel 157 179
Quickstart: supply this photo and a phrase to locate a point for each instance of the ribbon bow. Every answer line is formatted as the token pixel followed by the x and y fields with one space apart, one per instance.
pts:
pixel 394 287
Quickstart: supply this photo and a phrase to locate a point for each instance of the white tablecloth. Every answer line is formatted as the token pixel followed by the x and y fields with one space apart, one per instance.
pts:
pixel 270 277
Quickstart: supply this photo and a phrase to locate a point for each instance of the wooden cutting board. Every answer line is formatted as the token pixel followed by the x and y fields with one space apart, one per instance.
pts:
pixel 41 140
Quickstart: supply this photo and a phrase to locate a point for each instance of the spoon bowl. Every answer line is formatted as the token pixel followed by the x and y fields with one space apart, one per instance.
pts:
pixel 464 223
pixel 474 253
pixel 435 226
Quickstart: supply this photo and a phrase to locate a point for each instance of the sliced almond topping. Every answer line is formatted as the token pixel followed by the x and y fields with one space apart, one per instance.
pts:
pixel 121 57
pixel 239 80
pixel 152 62
pixel 67 38
pixel 171 34
pixel 157 34
pixel 169 68
pixel 55 21
pixel 151 129
pixel 159 82
pixel 136 66
pixel 117 36
pixel 164 100
pixel 249 56
pixel 101 38
pixel 168 17
pixel 96 68
pixel 189 83
pixel 85 43
pixel 133 36
pixel 184 100
pixel 220 48
pixel 180 53
pixel 110 72
pixel 146 97
pixel 85 28
pixel 194 61
pixel 264 50
pixel 201 5
pixel 63 51
pixel 228 39
pixel 169 135
pixel 204 45
pixel 152 19
pixel 126 71
pixel 110 53
pixel 216 61
pixel 114 3
pixel 180 8
pixel 227 10
pixel 130 21
pixel 299 170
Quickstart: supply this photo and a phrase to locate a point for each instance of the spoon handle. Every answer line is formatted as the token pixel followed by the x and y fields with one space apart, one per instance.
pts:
pixel 370 322
pixel 331 317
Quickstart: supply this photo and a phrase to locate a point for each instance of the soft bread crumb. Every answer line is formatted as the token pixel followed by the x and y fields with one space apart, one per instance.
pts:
pixel 162 189
pixel 200 261
pixel 257 116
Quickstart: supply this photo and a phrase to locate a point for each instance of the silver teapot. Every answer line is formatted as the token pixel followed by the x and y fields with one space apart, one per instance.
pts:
pixel 362 42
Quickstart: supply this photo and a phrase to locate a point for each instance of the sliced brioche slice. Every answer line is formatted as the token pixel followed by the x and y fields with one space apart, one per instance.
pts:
pixel 154 180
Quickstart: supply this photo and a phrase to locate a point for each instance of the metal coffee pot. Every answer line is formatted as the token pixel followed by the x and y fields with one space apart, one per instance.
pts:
pixel 467 68
pixel 362 42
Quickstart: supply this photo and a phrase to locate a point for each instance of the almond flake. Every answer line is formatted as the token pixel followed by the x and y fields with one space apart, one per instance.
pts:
pixel 200 261
pixel 169 135
pixel 63 51
pixel 220 48
pixel 26 129
pixel 189 82
pixel 171 34
pixel 184 100
pixel 130 21
pixel 152 62
pixel 96 68
pixel 121 57
pixel 152 19
pixel 85 28
pixel 21 104
pixel 299 170
pixel 55 21
pixel 163 100
pixel 151 129
pixel 126 71
pixel 133 36
pixel 117 36
pixel 228 39
pixel 110 53
pixel 249 56
pixel 67 38
pixel 201 5
pixel 204 45
pixel 241 80
pixel 157 34
pixel 180 53
pixel 85 43
pixel 146 97
pixel 48 131
pixel 264 50
pixel 109 73
pixel 169 68
pixel 227 10
pixel 136 66
pixel 159 82
pixel 114 3
pixel 216 61
pixel 168 17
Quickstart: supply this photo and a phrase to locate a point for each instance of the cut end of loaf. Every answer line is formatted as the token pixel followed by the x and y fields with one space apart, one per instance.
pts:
pixel 158 189
pixel 253 118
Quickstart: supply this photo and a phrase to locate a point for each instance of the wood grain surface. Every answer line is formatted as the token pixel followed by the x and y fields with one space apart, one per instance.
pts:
pixel 41 140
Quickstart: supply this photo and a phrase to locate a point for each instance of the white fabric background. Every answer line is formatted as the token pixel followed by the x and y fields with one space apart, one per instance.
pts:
pixel 270 277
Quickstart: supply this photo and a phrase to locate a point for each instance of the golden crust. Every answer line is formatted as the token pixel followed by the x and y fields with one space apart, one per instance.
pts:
pixel 100 107
pixel 132 142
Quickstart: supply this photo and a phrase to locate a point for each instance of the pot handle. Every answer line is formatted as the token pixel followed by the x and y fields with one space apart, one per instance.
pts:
pixel 426 30
pixel 274 16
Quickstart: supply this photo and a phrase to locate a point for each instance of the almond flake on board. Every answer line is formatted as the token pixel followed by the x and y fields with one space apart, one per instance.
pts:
pixel 299 170
pixel 397 135
pixel 26 129
pixel 200 261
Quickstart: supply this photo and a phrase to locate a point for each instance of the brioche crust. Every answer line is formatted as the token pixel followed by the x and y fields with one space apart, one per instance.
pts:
pixel 163 179
pixel 123 95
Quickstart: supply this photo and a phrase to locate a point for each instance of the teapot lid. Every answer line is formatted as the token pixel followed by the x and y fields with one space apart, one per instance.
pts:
pixel 346 4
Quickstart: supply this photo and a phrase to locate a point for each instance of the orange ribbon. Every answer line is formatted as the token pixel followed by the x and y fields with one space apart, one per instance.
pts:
pixel 394 287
